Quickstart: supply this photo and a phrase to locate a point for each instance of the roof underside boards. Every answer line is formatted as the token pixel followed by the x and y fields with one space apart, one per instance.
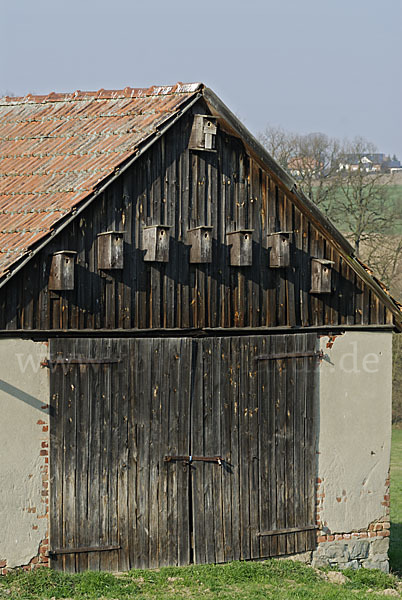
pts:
pixel 56 149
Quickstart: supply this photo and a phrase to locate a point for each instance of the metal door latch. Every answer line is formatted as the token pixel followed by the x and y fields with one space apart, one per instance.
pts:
pixel 188 459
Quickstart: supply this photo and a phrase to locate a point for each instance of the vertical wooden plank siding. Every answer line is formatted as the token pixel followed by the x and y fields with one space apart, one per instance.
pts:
pixel 183 188
pixel 121 407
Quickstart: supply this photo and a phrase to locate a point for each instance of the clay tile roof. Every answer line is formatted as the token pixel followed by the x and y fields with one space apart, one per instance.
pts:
pixel 56 149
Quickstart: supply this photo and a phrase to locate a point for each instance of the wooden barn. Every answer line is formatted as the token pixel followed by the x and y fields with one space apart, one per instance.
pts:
pixel 194 366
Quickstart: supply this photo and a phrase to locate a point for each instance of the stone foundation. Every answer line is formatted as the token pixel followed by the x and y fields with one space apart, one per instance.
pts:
pixel 353 553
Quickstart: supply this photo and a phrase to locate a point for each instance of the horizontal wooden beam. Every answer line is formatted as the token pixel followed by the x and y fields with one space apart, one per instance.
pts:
pixel 285 531
pixel 82 549
pixel 44 334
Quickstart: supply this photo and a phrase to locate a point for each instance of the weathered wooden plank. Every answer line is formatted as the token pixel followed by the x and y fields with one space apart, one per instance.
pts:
pixel 122 449
pixel 69 461
pixel 235 450
pixel 211 447
pixel 266 448
pixel 134 376
pixel 171 417
pixel 56 458
pixel 250 374
pixel 291 406
pixel 145 383
pixel 242 367
pixel 310 437
pixel 156 398
pixel 223 364
pixel 82 508
pixel 183 441
pixel 217 410
pixel 197 448
pixel 280 367
pixel 297 391
pixel 105 462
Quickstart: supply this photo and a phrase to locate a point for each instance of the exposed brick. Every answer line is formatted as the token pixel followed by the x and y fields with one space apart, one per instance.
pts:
pixel 330 538
pixel 40 422
pixel 45 445
pixel 2 563
pixel 364 534
pixel 347 536
pixel 45 428
pixel 378 527
pixel 372 534
pixel 318 480
pixel 386 525
pixel 321 538
pixel 44 453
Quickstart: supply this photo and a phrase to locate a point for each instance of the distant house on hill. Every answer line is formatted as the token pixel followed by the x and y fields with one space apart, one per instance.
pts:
pixel 369 163
pixel 391 166
pixel 194 365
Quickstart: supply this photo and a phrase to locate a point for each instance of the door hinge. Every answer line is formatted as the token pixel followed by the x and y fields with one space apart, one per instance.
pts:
pixel 288 530
pixel 82 549
pixel 79 361
pixel 319 355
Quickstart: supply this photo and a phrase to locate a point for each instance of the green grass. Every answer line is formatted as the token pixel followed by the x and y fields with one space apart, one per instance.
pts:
pixel 239 580
pixel 395 552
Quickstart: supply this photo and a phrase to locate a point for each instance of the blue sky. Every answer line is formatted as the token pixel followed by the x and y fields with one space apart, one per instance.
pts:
pixel 307 66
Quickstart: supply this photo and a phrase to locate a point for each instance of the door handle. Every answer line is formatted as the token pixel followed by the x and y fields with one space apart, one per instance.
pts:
pixel 190 459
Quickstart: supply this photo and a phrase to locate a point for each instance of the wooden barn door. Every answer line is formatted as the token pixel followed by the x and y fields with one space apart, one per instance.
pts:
pixel 253 406
pixel 118 409
pixel 287 376
pixel 88 459
pixel 172 451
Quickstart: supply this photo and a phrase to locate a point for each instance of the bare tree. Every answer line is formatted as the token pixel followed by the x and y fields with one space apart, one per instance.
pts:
pixel 279 143
pixel 311 159
pixel 383 253
pixel 364 206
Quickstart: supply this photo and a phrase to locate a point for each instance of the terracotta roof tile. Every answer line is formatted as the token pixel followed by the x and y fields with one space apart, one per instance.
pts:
pixel 56 148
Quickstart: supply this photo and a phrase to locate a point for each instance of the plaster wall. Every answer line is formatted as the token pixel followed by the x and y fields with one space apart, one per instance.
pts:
pixel 354 430
pixel 24 391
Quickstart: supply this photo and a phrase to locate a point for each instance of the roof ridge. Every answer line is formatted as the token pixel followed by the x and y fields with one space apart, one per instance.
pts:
pixel 102 94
